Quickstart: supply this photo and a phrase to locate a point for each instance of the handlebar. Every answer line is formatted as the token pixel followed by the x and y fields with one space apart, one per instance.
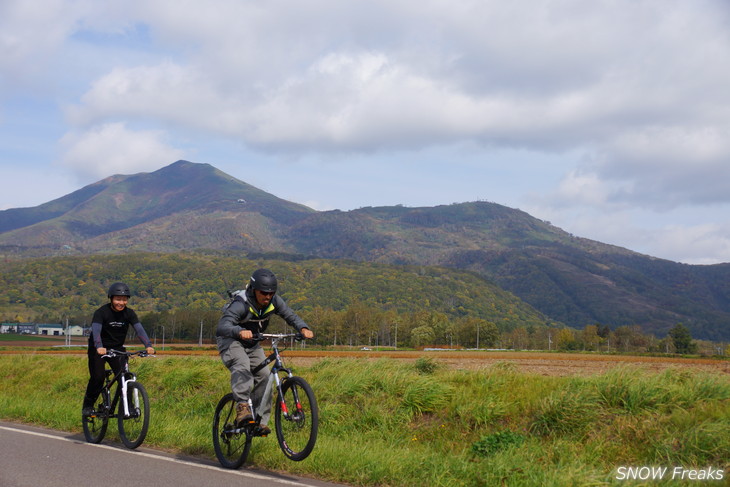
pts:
pixel 259 337
pixel 113 353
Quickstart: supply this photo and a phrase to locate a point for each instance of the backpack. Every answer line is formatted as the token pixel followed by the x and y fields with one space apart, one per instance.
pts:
pixel 233 295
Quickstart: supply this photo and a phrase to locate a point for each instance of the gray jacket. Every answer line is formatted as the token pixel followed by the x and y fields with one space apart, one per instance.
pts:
pixel 243 314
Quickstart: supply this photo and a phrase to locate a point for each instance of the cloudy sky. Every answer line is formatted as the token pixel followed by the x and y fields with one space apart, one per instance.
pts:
pixel 608 118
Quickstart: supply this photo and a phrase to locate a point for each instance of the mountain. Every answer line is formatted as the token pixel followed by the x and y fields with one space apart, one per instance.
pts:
pixel 184 205
pixel 571 280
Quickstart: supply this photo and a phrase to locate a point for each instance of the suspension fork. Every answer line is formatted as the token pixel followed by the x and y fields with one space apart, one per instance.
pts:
pixel 125 379
pixel 280 393
pixel 295 392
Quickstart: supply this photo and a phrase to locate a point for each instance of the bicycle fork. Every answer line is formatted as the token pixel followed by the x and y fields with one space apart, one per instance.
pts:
pixel 135 395
pixel 288 415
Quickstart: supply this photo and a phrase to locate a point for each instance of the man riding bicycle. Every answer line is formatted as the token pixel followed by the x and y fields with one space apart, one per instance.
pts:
pixel 246 315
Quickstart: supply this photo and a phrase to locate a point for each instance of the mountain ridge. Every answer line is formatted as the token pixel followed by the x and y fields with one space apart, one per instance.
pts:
pixel 571 280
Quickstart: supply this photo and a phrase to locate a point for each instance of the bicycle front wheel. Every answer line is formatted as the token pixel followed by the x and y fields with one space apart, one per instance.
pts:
pixel 231 444
pixel 296 418
pixel 96 424
pixel 133 427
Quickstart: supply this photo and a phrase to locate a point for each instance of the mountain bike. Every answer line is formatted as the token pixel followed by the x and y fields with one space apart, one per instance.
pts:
pixel 133 413
pixel 296 416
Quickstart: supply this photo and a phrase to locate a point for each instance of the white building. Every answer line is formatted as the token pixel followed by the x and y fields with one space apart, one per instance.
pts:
pixel 46 329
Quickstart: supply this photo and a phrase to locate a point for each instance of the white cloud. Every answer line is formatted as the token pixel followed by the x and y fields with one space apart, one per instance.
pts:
pixel 113 149
pixel 315 77
pixel 707 243
pixel 658 167
pixel 29 37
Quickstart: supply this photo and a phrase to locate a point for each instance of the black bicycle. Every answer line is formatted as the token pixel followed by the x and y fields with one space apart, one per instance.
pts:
pixel 296 416
pixel 133 413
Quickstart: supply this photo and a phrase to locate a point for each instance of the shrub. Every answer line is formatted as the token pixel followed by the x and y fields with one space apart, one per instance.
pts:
pixel 426 365
pixel 496 442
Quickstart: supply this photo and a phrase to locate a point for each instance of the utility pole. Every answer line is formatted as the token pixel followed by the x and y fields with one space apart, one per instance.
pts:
pixel 200 340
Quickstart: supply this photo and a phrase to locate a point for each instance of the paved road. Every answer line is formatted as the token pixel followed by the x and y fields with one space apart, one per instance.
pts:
pixel 35 457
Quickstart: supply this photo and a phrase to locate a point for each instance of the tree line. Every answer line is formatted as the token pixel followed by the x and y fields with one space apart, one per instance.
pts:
pixel 180 298
pixel 360 325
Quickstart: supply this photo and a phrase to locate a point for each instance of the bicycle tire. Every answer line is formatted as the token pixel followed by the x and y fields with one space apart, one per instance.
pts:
pixel 95 426
pixel 230 443
pixel 296 418
pixel 133 428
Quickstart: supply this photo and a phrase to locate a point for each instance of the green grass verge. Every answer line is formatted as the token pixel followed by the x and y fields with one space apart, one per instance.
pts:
pixel 396 423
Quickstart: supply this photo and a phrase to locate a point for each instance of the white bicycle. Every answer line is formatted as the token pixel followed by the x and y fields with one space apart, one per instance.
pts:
pixel 133 414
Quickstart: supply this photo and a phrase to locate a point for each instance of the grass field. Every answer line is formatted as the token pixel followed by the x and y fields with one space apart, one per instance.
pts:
pixel 422 422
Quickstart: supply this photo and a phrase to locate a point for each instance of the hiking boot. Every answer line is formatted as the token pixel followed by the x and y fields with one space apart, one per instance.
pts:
pixel 243 413
pixel 262 430
pixel 87 411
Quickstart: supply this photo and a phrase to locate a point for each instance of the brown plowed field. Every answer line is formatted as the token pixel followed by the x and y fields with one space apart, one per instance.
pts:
pixel 542 363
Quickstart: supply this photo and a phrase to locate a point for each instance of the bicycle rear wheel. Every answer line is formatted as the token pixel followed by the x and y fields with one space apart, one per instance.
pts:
pixel 296 418
pixel 231 444
pixel 95 425
pixel 133 428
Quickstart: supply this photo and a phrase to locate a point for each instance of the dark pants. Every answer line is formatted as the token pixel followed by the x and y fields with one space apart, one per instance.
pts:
pixel 97 375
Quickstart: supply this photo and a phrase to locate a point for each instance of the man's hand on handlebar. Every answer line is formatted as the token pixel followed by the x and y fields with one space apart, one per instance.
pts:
pixel 245 334
pixel 307 333
pixel 101 351
pixel 150 350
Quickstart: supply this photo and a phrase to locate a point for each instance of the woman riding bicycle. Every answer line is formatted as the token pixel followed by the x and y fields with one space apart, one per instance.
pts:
pixel 246 315
pixel 109 327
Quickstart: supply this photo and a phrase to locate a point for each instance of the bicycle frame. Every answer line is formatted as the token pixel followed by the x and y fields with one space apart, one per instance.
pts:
pixel 278 366
pixel 124 377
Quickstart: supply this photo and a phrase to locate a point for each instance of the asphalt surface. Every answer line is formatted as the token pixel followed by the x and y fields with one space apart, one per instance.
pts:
pixel 38 457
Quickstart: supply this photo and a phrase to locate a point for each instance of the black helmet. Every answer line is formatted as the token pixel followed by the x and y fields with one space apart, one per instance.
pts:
pixel 118 289
pixel 264 280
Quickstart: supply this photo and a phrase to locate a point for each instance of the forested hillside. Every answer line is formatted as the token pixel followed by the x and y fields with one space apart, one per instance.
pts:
pixel 346 301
